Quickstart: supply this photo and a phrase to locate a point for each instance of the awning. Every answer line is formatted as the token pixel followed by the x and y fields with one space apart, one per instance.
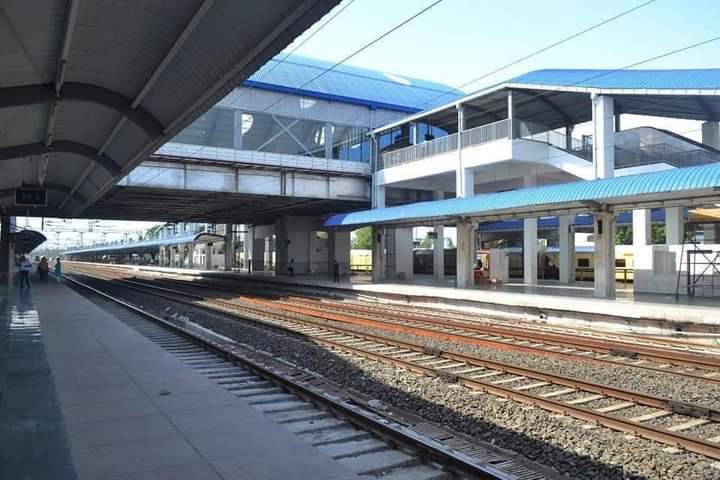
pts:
pixel 679 187
pixel 25 241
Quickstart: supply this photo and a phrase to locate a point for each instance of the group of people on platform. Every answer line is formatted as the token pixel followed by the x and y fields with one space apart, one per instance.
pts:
pixel 25 265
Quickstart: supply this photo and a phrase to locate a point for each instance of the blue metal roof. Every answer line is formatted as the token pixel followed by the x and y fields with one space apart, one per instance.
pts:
pixel 350 84
pixel 155 242
pixel 608 190
pixel 701 79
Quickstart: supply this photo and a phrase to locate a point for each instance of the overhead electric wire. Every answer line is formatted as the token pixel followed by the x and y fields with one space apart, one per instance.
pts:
pixel 356 52
pixel 347 57
pixel 544 49
pixel 277 61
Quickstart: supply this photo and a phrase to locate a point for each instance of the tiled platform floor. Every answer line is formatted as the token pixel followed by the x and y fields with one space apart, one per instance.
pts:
pixel 86 396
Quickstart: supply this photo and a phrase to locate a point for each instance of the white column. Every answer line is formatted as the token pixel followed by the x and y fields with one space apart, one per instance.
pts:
pixel 229 246
pixel 642 227
pixel 530 251
pixel 378 254
pixel 511 114
pixel 468 187
pixel 711 134
pixel 566 257
pixel 460 171
pixel 465 250
pixel 604 237
pixel 603 136
pixel 439 245
pixel 404 253
pixel 674 225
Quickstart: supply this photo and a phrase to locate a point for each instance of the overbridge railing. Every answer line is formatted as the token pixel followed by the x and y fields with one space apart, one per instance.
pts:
pixel 474 136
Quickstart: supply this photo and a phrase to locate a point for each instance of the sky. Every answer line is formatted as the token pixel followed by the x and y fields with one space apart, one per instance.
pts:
pixel 460 40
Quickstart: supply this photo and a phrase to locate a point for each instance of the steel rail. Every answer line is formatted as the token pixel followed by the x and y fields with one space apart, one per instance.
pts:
pixel 498 343
pixel 456 462
pixel 661 435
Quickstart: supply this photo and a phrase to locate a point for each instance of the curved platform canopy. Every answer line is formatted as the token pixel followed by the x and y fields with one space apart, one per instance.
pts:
pixel 25 241
pixel 89 89
pixel 150 244
pixel 699 186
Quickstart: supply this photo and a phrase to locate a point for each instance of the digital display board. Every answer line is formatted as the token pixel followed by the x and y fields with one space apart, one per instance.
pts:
pixel 30 198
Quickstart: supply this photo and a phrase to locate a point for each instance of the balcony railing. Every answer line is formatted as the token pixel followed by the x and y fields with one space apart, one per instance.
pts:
pixel 540 133
pixel 475 136
pixel 486 133
pixel 417 152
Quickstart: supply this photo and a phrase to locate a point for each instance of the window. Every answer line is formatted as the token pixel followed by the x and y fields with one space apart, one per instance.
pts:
pixel 583 262
pixel 272 133
pixel 620 262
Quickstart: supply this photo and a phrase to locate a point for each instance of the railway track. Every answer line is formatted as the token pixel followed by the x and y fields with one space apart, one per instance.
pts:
pixel 678 424
pixel 388 444
pixel 667 357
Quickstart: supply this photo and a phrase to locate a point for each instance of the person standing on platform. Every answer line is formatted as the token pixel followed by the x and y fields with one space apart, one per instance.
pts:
pixel 336 271
pixel 25 268
pixel 58 269
pixel 43 270
pixel 291 268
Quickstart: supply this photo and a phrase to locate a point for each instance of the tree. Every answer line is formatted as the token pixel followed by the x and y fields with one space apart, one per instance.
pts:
pixel 362 238
pixel 623 235
pixel 658 233
pixel 426 242
pixel 449 243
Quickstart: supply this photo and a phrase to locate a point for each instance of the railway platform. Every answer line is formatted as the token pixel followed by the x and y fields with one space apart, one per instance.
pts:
pixel 547 300
pixel 84 395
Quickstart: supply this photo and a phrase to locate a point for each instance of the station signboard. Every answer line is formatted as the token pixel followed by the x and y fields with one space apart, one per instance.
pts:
pixel 25 197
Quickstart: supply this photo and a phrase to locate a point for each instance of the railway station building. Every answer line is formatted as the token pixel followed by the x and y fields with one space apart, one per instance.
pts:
pixel 263 168
pixel 568 148
pixel 270 162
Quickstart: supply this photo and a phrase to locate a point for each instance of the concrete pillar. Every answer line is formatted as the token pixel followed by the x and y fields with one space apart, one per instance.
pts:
pixel 439 246
pixel 568 137
pixel 249 247
pixel 674 225
pixel 292 236
pixel 378 254
pixel 5 259
pixel 465 260
pixel 604 238
pixel 642 227
pixel 379 197
pixel 190 254
pixel 566 256
pixel 530 251
pixel 247 243
pixel 711 134
pixel 339 249
pixel 603 136
pixel 208 256
pixel 414 137
pixel 403 253
pixel 229 247
pixel 511 114
pixel 258 254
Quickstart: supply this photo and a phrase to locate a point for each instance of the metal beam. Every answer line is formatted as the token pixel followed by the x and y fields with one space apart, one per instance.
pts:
pixel 63 146
pixel 38 94
pixel 706 108
pixel 70 22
